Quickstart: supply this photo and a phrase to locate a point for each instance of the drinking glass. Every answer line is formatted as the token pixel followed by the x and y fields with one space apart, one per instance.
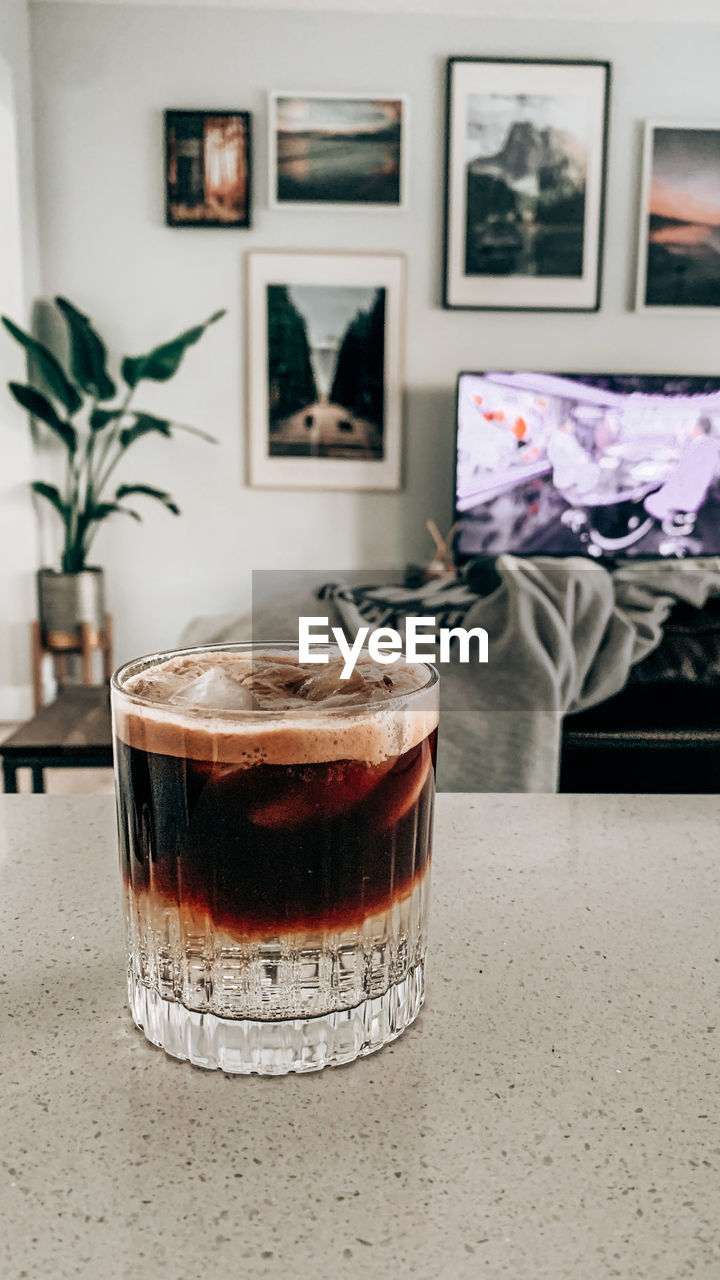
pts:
pixel 275 866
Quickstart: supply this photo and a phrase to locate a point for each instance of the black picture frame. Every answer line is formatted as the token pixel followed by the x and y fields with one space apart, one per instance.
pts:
pixel 189 202
pixel 678 267
pixel 513 233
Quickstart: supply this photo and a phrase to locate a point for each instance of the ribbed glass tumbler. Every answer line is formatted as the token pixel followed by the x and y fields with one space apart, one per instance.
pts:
pixel 275 862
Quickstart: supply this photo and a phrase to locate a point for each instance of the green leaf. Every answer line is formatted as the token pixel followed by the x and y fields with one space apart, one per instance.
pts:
pixel 194 431
pixel 163 362
pixel 52 495
pixel 87 353
pixel 145 424
pixel 52 373
pixel 101 510
pixel 40 407
pixel 149 492
pixel 99 418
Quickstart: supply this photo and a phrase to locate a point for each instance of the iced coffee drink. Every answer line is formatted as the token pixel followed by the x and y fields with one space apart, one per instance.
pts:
pixel 275 827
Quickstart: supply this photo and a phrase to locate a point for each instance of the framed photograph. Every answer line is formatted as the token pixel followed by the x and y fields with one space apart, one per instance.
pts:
pixel 343 150
pixel 208 168
pixel 679 240
pixel 525 182
pixel 325 334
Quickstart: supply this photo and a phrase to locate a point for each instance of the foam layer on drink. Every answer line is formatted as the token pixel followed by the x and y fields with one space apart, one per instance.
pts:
pixel 269 708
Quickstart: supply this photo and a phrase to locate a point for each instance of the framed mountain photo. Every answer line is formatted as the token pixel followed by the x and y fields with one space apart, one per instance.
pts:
pixel 525 180
pixel 324 369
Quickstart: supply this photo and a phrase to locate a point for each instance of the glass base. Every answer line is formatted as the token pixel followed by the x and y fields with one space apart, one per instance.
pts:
pixel 274 1048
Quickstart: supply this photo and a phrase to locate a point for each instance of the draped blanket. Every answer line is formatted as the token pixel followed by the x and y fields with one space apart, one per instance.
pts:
pixel 563 635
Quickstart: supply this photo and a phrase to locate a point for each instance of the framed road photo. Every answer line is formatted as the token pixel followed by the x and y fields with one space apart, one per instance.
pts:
pixel 679 240
pixel 525 180
pixel 325 333
pixel 208 170
pixel 346 151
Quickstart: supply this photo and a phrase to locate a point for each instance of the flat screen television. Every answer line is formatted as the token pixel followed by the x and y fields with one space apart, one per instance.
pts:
pixel 602 465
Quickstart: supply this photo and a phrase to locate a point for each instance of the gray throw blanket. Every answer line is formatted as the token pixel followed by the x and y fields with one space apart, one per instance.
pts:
pixel 563 635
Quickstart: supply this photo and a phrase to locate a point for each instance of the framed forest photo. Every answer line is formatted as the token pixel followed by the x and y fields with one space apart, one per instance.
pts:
pixel 525 180
pixel 324 369
pixel 679 239
pixel 208 168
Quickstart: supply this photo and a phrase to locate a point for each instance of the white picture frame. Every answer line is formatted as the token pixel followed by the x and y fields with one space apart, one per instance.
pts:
pixel 673 264
pixel 353 193
pixel 526 143
pixel 300 435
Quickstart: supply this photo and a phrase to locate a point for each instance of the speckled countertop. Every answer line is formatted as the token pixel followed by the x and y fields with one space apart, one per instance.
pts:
pixel 553 1113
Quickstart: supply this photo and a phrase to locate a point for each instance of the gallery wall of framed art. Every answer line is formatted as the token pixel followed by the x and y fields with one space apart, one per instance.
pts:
pixel 523 190
pixel 526 146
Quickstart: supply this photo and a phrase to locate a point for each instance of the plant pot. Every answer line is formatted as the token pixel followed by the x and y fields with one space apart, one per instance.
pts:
pixel 66 601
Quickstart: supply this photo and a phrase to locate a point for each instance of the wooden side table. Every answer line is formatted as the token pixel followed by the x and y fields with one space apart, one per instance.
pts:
pixel 72 732
pixel 60 644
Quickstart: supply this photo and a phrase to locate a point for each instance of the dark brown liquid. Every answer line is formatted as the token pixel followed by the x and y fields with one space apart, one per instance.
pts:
pixel 276 848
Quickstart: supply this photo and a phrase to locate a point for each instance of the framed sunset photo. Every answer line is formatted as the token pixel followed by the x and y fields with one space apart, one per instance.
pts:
pixel 679 236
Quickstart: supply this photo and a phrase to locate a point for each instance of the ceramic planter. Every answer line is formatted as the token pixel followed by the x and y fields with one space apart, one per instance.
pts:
pixel 66 600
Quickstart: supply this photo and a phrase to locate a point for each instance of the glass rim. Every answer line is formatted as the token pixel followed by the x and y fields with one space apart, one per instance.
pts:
pixel 136 665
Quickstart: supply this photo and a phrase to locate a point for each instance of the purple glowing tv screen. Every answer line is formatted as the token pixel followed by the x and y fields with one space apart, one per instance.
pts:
pixel 599 465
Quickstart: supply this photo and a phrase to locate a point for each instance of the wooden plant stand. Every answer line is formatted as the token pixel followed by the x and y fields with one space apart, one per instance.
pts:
pixel 59 645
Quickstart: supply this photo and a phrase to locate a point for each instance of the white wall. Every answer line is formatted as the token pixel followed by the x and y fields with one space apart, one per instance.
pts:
pixel 103 75
pixel 18 281
pixel 604 10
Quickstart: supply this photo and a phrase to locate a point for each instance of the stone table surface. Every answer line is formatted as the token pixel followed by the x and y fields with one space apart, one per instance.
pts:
pixel 553 1113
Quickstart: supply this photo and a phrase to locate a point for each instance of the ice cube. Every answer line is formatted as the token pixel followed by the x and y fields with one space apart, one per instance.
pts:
pixel 216 690
pixel 328 687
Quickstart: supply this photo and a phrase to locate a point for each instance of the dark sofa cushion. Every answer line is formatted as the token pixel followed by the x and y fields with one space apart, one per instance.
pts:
pixel 689 652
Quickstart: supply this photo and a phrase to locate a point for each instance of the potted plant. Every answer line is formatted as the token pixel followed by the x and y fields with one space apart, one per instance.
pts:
pixel 97 424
